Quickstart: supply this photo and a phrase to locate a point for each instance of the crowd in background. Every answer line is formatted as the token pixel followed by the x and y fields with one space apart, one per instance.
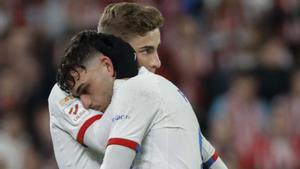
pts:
pixel 236 60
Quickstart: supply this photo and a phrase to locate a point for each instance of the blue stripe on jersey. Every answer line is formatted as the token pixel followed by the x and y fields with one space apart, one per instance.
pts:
pixel 138 149
pixel 200 147
pixel 208 163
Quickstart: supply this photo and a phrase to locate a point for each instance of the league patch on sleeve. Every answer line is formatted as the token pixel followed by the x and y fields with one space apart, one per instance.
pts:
pixel 76 113
pixel 63 102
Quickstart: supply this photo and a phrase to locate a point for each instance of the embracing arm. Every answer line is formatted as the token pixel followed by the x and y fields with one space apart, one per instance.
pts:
pixel 87 127
pixel 118 157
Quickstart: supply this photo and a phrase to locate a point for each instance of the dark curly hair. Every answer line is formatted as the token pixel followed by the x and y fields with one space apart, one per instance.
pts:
pixel 86 44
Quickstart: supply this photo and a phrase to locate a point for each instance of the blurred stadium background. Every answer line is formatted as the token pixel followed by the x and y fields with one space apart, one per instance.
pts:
pixel 236 60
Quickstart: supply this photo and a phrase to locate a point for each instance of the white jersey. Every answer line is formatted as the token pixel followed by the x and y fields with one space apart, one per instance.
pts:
pixel 153 117
pixel 76 144
pixel 67 118
pixel 80 136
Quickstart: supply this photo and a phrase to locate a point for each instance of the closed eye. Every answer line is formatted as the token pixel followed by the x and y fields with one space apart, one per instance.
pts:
pixel 82 89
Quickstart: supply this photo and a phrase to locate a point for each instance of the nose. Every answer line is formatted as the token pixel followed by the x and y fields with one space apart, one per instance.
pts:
pixel 155 61
pixel 86 101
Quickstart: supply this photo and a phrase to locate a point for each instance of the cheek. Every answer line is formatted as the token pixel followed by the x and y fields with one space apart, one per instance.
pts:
pixel 95 90
pixel 103 90
pixel 93 94
pixel 143 61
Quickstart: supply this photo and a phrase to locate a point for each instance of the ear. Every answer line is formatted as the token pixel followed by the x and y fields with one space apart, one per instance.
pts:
pixel 107 63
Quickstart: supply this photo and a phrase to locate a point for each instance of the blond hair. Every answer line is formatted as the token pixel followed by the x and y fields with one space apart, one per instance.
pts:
pixel 127 20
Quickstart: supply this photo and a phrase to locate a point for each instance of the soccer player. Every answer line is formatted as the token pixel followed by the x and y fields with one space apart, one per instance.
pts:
pixel 68 128
pixel 147 109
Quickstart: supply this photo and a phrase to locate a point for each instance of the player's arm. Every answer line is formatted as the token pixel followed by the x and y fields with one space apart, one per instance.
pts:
pixel 134 109
pixel 89 130
pixel 211 159
pixel 118 157
pixel 85 126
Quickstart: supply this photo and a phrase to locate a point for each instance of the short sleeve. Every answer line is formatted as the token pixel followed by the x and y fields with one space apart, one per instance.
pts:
pixel 134 109
pixel 69 114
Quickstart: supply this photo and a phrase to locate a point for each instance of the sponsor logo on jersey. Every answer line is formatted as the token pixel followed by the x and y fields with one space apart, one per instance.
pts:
pixel 76 113
pixel 120 117
pixel 63 102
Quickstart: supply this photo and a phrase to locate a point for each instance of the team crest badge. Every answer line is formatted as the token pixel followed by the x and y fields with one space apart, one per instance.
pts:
pixel 63 102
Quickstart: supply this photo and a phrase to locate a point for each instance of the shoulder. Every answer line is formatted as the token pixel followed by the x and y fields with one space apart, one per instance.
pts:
pixel 141 89
pixel 147 83
pixel 58 95
pixel 58 99
pixel 67 110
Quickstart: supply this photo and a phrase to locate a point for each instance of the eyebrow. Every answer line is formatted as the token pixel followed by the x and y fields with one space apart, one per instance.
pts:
pixel 146 47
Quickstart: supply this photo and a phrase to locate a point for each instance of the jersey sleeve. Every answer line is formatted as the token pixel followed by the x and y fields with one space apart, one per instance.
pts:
pixel 82 124
pixel 118 157
pixel 134 109
pixel 74 118
pixel 211 159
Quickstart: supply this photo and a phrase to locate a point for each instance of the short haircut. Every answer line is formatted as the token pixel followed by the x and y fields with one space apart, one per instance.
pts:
pixel 88 44
pixel 127 20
